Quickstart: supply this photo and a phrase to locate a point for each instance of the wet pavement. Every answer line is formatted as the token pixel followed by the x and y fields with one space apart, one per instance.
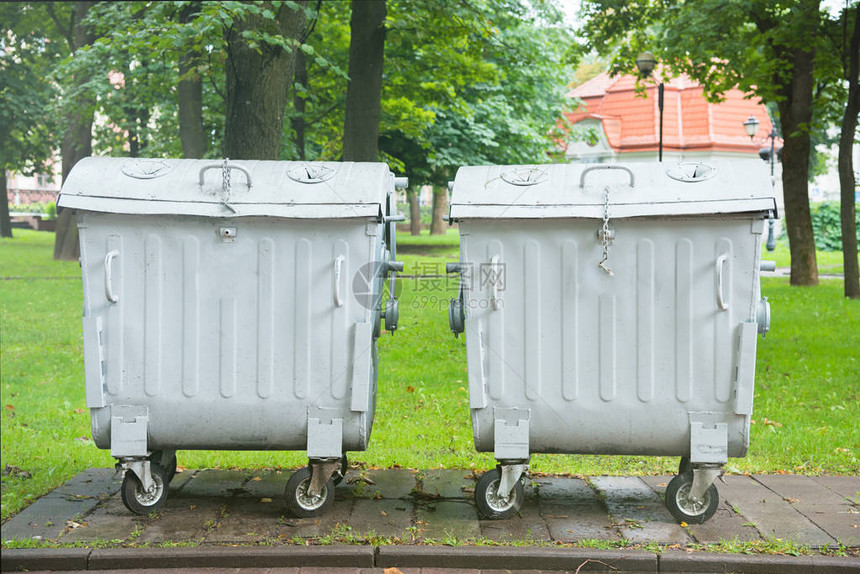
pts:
pixel 400 510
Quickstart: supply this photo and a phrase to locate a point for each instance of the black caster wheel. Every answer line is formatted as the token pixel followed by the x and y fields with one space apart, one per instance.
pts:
pixel 683 508
pixel 139 501
pixel 300 503
pixel 490 505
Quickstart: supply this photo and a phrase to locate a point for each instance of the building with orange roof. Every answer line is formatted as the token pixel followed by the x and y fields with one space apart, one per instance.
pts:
pixel 617 124
pixel 614 123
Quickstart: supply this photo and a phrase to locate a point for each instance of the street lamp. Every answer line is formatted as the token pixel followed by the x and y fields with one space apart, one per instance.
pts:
pixel 646 62
pixel 751 127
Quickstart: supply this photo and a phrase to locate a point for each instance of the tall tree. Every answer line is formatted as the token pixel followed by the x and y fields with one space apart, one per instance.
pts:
pixel 261 45
pixel 847 183
pixel 364 90
pixel 189 91
pixel 769 52
pixel 26 122
pixel 79 107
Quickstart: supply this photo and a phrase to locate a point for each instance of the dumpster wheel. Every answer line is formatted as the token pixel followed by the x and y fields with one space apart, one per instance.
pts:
pixel 683 507
pixel 300 503
pixel 344 466
pixel 490 505
pixel 136 499
pixel 169 466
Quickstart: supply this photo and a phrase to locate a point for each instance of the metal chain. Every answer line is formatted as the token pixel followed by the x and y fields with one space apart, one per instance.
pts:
pixel 605 233
pixel 226 183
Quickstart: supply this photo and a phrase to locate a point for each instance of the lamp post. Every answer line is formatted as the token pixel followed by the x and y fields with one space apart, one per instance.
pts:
pixel 646 62
pixel 751 127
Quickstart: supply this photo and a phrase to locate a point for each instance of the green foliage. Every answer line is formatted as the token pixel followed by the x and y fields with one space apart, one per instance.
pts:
pixel 49 208
pixel 27 127
pixel 827 225
pixel 462 84
pixel 753 57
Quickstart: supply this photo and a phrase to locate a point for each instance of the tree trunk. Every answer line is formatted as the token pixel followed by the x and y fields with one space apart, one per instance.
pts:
pixel 77 140
pixel 846 165
pixel 414 212
pixel 440 206
pixel 795 113
pixel 364 91
pixel 5 220
pixel 299 105
pixel 189 95
pixel 258 81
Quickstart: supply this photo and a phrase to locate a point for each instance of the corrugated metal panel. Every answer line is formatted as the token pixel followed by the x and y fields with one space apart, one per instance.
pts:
pixel 622 359
pixel 220 335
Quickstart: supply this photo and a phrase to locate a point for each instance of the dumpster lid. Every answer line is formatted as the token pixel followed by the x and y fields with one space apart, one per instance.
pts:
pixel 311 190
pixel 578 190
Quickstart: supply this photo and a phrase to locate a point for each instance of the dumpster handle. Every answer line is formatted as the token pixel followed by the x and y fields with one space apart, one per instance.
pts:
pixel 206 168
pixel 109 294
pixel 338 263
pixel 594 167
pixel 721 303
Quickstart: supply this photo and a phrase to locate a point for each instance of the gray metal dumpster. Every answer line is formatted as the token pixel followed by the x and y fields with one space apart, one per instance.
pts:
pixel 611 309
pixel 232 305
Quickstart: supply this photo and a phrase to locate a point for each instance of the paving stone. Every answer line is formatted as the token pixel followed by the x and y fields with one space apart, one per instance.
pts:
pixel 111 520
pixel 562 487
pixel 216 482
pixel 726 524
pixel 246 520
pixel 287 527
pixel 573 511
pixel 639 513
pixel 570 521
pixel 773 516
pixel 446 483
pixel 180 479
pixel 392 483
pixel 46 518
pixel 390 518
pixel 91 483
pixel 826 509
pixel 447 519
pixel 267 484
pixel 846 486
pixel 186 519
pixel 527 525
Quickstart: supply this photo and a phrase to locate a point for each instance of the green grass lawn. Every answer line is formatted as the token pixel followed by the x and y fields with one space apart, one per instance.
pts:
pixel 829 262
pixel 808 383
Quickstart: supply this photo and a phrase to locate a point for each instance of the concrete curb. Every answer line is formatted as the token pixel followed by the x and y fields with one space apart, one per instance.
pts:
pixel 756 564
pixel 460 557
pixel 44 559
pixel 199 557
pixel 514 558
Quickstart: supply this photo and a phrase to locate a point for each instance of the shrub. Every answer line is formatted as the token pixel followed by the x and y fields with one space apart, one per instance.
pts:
pixel 827 227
